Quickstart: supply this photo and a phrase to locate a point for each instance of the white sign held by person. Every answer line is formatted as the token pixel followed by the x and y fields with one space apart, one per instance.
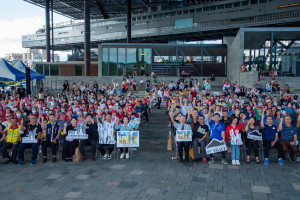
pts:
pixel 79 133
pixel 255 135
pixel 30 138
pixel 128 139
pixel 106 135
pixel 215 146
pixel 184 135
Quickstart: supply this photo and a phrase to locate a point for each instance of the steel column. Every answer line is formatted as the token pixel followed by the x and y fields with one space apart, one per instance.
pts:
pixel 47 8
pixel 87 37
pixel 250 60
pixel 52 31
pixel 275 57
pixel 201 61
pixel 128 21
pixel 271 51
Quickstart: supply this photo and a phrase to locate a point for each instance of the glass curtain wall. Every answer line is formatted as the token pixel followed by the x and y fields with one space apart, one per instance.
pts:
pixel 126 61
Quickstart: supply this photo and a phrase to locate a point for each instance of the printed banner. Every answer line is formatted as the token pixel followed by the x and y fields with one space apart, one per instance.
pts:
pixel 29 140
pixel 79 133
pixel 215 146
pixel 106 136
pixel 128 139
pixel 184 135
pixel 255 135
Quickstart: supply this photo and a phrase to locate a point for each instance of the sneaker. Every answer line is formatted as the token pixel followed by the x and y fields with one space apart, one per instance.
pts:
pixel 109 157
pixel 233 162
pixel 54 159
pixel 290 158
pixel 280 161
pixel 211 161
pixel 224 162
pixel 33 162
pixel 44 160
pixel 204 160
pixel 127 155
pixel 66 160
pixel 267 161
pixel 105 157
pixel 122 155
pixel 21 162
pixel 237 162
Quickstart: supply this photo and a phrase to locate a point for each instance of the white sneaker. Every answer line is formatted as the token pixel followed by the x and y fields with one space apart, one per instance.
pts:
pixel 127 155
pixel 122 155
pixel 238 162
pixel 234 162
pixel 109 157
pixel 104 157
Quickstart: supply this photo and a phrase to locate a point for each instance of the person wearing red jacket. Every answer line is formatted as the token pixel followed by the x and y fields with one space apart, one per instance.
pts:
pixel 234 138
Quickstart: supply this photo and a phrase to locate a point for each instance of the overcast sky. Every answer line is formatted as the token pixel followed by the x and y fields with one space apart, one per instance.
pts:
pixel 18 18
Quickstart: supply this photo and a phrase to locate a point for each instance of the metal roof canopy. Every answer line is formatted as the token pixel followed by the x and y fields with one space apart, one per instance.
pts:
pixel 113 8
pixel 170 49
pixel 255 38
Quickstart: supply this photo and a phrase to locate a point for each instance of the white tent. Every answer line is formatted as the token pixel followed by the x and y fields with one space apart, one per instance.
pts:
pixel 9 72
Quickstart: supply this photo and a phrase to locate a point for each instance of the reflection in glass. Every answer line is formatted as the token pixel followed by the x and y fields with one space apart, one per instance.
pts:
pixel 105 62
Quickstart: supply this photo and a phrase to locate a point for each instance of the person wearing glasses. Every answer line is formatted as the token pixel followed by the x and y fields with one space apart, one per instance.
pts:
pixel 7 123
pixel 32 130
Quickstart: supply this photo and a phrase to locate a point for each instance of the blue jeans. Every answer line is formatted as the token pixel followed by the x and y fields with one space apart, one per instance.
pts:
pixel 34 147
pixel 235 151
pixel 195 148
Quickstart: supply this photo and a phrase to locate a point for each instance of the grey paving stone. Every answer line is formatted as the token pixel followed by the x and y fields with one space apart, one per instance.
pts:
pixel 54 176
pixel 118 166
pixel 73 195
pixel 152 191
pixel 216 166
pixel 137 172
pixel 82 177
pixel 127 184
pixel 296 186
pixel 260 189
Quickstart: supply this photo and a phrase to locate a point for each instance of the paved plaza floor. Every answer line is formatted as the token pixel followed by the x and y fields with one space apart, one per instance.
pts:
pixel 149 174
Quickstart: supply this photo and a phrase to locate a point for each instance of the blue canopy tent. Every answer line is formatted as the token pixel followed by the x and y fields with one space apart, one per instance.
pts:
pixel 9 72
pixel 33 74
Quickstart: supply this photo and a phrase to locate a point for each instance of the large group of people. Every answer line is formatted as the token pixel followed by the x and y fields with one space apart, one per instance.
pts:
pixel 230 116
pixel 43 121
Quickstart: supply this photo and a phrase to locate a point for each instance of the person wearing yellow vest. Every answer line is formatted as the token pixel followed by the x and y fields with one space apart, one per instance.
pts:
pixel 12 141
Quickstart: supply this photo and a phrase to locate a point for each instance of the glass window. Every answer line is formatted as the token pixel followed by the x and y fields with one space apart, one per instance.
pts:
pixel 229 5
pixel 46 68
pixel 213 8
pixel 172 13
pixel 167 14
pixel 134 19
pixel 192 11
pixel 78 70
pixel 263 1
pixel 236 4
pixel 199 10
pixel 132 56
pixel 113 62
pixel 245 3
pixel 205 9
pixel 144 62
pixel 179 13
pixel 54 70
pixel 220 7
pixel 144 17
pixel 183 23
pixel 105 61
pixel 39 68
pixel 150 17
pixel 139 18
pixel 121 61
pixel 185 12
pixel 254 1
pixel 155 16
pixel 160 15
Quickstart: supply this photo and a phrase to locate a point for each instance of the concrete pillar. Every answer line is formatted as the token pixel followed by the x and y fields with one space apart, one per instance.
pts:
pixel 87 37
pixel 47 18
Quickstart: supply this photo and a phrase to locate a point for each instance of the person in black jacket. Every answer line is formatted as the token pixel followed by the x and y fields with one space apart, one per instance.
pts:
pixel 51 138
pixel 200 132
pixel 92 139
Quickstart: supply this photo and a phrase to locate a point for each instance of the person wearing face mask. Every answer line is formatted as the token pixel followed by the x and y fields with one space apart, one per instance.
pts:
pixel 108 134
pixel 289 109
pixel 80 116
pixel 133 123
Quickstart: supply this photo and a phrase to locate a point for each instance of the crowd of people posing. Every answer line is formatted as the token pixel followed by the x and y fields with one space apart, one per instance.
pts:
pixel 48 120
pixel 233 116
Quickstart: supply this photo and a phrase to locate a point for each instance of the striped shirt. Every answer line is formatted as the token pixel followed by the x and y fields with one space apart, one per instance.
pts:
pixel 287 133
